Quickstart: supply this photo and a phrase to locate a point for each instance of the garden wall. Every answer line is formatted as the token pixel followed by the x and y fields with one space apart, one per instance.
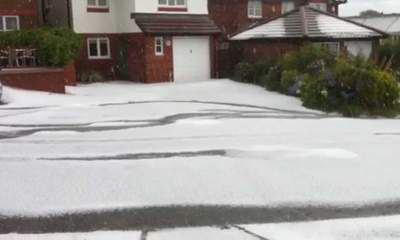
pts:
pixel 39 79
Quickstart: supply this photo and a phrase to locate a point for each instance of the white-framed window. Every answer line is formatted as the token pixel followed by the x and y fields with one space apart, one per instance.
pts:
pixel 254 9
pixel 97 3
pixel 333 47
pixel 319 6
pixel 287 6
pixel 159 46
pixel 98 48
pixel 172 3
pixel 9 23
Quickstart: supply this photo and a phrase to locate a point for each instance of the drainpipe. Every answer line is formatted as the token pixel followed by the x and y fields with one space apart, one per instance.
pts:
pixel 69 18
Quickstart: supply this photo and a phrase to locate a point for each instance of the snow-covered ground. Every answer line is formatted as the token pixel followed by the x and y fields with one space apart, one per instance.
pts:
pixel 381 228
pixel 121 145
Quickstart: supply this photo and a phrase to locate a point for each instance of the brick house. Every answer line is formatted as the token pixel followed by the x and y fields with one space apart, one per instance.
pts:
pixel 142 40
pixel 234 15
pixel 255 30
pixel 275 37
pixel 18 14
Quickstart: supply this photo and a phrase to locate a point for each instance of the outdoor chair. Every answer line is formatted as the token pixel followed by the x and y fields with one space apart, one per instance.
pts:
pixel 4 58
pixel 28 58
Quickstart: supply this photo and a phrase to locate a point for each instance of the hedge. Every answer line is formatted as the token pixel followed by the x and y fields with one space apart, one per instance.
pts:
pixel 57 47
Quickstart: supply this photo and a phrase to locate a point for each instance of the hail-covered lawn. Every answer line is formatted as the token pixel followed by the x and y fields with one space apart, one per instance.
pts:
pixel 122 145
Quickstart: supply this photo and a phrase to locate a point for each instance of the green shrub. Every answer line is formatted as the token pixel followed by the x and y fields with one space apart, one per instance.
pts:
pixel 307 58
pixel 289 79
pixel 314 93
pixel 361 84
pixel 390 51
pixel 272 81
pixel 251 73
pixel 352 86
pixel 260 69
pixel 244 72
pixel 56 46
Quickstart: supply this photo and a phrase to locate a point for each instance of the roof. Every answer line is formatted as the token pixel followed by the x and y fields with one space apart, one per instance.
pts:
pixel 387 23
pixel 307 22
pixel 175 24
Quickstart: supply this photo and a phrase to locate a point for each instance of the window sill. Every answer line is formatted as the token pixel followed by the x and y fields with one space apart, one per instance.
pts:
pixel 98 10
pixel 172 9
pixel 255 17
pixel 99 58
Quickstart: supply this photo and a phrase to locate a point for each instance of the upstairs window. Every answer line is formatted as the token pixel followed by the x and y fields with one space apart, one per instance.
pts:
pixel 287 6
pixel 255 9
pixel 97 3
pixel 172 3
pixel 98 48
pixel 159 46
pixel 319 6
pixel 9 23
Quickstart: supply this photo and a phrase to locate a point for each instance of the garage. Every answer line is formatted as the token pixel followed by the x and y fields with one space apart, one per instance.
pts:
pixel 191 58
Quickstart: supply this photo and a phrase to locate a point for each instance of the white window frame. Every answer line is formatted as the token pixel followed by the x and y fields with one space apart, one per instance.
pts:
pixel 4 27
pixel 287 6
pixel 328 44
pixel 175 5
pixel 98 48
pixel 99 6
pixel 161 40
pixel 252 8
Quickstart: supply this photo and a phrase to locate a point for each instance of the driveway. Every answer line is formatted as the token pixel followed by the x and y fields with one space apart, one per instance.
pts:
pixel 185 155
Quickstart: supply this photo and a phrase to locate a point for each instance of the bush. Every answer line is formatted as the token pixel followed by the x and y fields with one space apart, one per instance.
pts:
pixel 57 47
pixel 310 59
pixel 389 51
pixel 272 81
pixel 351 86
pixel 259 71
pixel 314 93
pixel 251 73
pixel 291 82
pixel 362 84
pixel 244 72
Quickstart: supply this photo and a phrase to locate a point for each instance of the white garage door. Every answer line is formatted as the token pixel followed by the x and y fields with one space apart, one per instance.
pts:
pixel 191 58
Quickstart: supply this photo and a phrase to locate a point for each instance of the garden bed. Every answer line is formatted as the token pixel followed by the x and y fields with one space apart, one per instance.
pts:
pixel 353 86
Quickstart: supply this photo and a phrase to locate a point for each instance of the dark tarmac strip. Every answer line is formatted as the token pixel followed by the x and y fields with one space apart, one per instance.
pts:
pixel 156 218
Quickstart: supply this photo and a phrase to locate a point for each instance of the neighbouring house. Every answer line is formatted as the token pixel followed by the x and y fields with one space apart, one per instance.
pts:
pixel 233 16
pixel 20 67
pixel 18 14
pixel 389 23
pixel 288 32
pixel 142 40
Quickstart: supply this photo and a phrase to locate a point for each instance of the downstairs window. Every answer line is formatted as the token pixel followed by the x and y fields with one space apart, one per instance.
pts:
pixel 98 48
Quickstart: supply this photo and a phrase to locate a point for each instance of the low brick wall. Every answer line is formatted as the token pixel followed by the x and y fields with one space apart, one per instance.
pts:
pixel 39 79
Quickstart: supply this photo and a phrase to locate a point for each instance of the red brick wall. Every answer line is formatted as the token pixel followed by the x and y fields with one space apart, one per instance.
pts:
pixel 49 80
pixel 27 10
pixel 107 67
pixel 158 68
pixel 253 51
pixel 70 75
pixel 136 53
